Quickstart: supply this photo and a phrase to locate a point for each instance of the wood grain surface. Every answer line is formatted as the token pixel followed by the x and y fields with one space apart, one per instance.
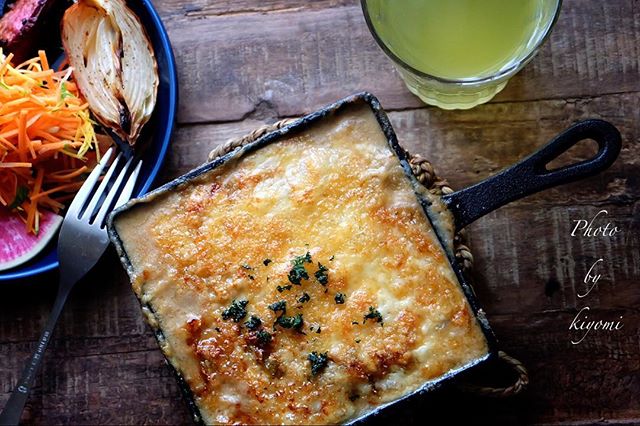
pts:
pixel 244 63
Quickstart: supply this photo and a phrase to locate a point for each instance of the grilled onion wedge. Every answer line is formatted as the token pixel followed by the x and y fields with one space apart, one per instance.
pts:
pixel 113 63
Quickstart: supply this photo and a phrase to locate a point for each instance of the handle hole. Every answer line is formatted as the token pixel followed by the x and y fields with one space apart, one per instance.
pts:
pixel 579 152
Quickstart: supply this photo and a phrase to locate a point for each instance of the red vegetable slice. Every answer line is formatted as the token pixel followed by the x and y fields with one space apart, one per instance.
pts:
pixel 16 244
pixel 27 25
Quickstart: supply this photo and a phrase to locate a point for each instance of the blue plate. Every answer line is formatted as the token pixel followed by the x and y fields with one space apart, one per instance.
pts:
pixel 155 137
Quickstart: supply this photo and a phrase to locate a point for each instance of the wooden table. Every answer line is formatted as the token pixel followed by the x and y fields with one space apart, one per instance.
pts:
pixel 242 63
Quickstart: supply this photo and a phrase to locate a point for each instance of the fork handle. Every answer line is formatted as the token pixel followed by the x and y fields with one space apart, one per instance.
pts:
pixel 13 409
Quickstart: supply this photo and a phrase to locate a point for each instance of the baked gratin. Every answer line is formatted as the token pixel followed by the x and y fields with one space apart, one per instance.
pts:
pixel 299 281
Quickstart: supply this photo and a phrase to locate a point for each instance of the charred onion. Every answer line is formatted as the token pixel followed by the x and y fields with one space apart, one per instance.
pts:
pixel 114 65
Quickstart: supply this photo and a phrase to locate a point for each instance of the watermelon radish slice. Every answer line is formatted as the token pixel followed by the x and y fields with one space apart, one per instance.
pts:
pixel 16 244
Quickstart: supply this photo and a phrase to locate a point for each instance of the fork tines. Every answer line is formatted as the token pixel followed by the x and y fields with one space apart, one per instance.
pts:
pixel 92 205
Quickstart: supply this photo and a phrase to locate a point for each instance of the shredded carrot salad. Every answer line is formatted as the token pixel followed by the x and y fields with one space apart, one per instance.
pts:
pixel 47 139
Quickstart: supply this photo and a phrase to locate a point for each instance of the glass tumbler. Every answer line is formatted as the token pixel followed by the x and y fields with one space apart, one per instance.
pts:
pixel 456 54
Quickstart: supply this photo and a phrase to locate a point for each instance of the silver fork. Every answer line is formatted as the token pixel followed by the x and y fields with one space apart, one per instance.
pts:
pixel 82 241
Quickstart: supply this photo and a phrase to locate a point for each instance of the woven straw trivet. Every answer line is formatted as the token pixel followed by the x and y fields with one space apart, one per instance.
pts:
pixel 424 172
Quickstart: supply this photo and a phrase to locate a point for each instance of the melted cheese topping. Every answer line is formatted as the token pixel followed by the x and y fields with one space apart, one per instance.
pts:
pixel 337 192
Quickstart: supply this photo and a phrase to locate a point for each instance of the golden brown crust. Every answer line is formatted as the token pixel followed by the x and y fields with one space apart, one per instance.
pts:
pixel 338 193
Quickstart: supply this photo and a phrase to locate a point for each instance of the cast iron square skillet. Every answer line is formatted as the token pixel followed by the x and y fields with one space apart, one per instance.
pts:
pixel 526 177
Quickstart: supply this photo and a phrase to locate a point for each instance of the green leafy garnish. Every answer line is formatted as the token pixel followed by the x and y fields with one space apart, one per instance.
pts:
pixel 289 322
pixel 236 311
pixel 22 193
pixel 298 272
pixel 321 274
pixel 264 337
pixel 282 288
pixel 246 266
pixel 254 323
pixel 339 298
pixel 306 258
pixel 266 262
pixel 373 314
pixel 318 362
pixel 280 306
pixel 304 298
pixel 64 92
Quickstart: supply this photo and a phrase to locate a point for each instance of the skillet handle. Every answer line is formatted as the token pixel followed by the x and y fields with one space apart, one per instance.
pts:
pixel 531 175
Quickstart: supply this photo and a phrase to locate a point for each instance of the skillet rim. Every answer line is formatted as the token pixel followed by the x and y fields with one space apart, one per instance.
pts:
pixel 362 98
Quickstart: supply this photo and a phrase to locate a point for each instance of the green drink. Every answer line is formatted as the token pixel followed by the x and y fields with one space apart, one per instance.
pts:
pixel 459 53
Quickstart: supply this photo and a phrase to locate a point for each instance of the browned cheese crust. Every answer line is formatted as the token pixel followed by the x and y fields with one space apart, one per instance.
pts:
pixel 338 193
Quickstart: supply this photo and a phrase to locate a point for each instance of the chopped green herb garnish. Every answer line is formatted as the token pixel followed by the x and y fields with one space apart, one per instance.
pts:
pixel 64 92
pixel 304 298
pixel 282 288
pixel 236 311
pixel 332 257
pixel 339 298
pixel 251 277
pixel 357 340
pixel 246 266
pixel 318 362
pixel 290 322
pixel 254 323
pixel 306 257
pixel 355 322
pixel 298 272
pixel 353 397
pixel 22 193
pixel 319 330
pixel 266 262
pixel 280 306
pixel 321 274
pixel 373 314
pixel 264 337
pixel 217 329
